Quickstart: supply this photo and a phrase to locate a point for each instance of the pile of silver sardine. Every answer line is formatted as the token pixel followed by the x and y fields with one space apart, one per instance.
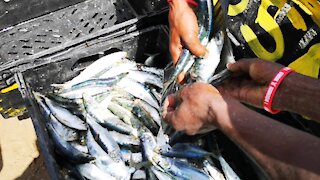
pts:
pixel 106 123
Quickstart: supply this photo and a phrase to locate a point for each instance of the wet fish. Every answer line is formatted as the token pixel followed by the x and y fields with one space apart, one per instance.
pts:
pixel 65 149
pixel 187 150
pixel 78 93
pixel 139 174
pixel 146 119
pixel 213 171
pixel 132 158
pixel 153 112
pixel 150 60
pixel 146 78
pixel 96 67
pixel 105 117
pixel 127 117
pixel 205 21
pixel 125 140
pixel 91 171
pixel 161 175
pixel 203 69
pixel 176 168
pixel 156 94
pixel 65 116
pixel 64 132
pixel 138 90
pixel 227 170
pixel 104 161
pixel 79 147
pixel 119 68
pixel 105 140
pixel 101 82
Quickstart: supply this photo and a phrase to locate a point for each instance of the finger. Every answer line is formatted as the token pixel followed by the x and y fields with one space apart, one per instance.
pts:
pixel 191 41
pixel 189 34
pixel 175 46
pixel 181 78
pixel 168 105
pixel 240 66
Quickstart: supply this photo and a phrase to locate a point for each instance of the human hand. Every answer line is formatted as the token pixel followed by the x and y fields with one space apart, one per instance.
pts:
pixel 192 110
pixel 183 31
pixel 250 80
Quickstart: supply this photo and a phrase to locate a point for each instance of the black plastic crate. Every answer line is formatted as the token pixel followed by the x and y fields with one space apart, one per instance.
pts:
pixel 32 41
pixel 143 7
pixel 14 12
pixel 38 78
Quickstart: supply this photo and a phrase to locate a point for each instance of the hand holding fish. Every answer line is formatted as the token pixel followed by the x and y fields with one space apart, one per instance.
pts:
pixel 250 80
pixel 297 93
pixel 183 31
pixel 192 109
pixel 200 107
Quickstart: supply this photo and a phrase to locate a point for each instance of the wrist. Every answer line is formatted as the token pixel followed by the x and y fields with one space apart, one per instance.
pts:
pixel 222 111
pixel 273 88
pixel 283 97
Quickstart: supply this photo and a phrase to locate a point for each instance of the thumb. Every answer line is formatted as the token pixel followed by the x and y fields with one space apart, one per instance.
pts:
pixel 240 66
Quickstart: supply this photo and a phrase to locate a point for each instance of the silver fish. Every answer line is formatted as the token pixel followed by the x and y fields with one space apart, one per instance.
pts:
pixel 105 139
pixel 139 174
pixel 101 82
pixel 129 104
pixel 203 69
pixel 65 149
pixel 145 118
pixel 79 147
pixel 227 170
pixel 150 60
pixel 64 132
pixel 186 150
pixel 65 116
pixel 77 94
pixel 213 171
pixel 151 110
pixel 125 140
pixel 119 68
pixel 96 67
pixel 205 21
pixel 105 117
pixel 138 90
pixel 104 161
pixel 127 117
pixel 161 175
pixel 91 171
pixel 173 167
pixel 146 78
pixel 132 158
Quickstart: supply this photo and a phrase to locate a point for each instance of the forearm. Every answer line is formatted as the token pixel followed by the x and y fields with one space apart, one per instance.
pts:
pixel 283 152
pixel 300 94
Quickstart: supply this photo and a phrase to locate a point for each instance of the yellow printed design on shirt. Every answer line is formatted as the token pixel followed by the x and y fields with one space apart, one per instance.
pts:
pixel 278 30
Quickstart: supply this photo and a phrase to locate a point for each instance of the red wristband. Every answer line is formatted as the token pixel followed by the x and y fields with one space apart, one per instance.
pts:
pixel 193 2
pixel 273 86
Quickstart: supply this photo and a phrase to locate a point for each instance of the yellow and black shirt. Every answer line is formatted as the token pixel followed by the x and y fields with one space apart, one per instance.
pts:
pixel 286 32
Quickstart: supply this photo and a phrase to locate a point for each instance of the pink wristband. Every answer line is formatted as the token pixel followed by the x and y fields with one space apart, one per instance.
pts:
pixel 193 2
pixel 273 86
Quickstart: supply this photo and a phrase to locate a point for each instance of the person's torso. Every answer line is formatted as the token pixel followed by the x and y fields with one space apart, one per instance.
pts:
pixel 283 31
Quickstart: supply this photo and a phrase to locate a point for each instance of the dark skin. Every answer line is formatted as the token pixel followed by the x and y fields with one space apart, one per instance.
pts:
pixel 282 151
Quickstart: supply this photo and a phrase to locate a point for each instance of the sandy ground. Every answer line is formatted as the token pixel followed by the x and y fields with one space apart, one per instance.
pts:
pixel 19 155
